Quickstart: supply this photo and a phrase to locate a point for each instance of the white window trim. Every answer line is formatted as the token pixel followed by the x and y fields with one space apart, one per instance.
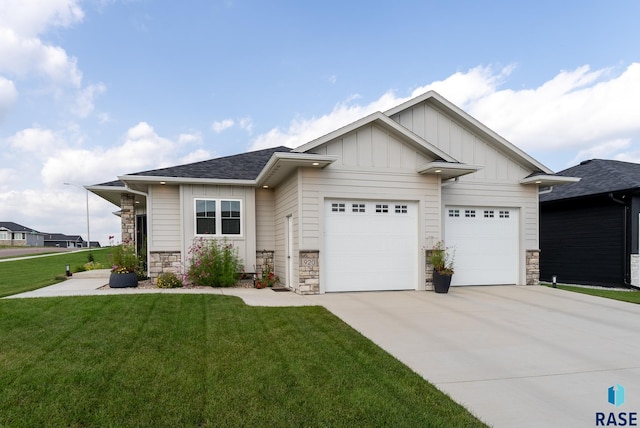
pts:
pixel 218 202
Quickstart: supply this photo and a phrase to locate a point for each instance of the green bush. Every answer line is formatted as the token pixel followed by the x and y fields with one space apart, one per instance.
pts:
pixel 168 280
pixel 93 266
pixel 213 263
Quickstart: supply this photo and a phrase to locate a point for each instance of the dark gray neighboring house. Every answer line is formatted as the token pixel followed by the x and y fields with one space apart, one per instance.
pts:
pixel 589 229
pixel 14 234
pixel 63 241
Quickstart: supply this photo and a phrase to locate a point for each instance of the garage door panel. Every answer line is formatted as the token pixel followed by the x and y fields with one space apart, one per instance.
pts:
pixel 486 244
pixel 370 245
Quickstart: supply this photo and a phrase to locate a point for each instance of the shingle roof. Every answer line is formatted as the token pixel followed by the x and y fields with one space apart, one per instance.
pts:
pixel 245 166
pixel 15 227
pixel 597 176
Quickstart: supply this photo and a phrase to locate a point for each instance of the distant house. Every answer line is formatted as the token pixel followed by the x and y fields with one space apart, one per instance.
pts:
pixel 354 210
pixel 14 234
pixel 589 232
pixel 63 241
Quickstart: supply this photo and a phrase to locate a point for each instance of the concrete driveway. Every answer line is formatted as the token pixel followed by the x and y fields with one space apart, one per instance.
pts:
pixel 514 356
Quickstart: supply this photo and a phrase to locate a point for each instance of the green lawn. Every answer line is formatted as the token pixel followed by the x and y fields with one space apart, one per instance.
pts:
pixel 17 276
pixel 632 296
pixel 201 360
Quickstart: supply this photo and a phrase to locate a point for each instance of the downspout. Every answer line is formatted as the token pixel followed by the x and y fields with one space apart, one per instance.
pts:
pixel 625 259
pixel 146 196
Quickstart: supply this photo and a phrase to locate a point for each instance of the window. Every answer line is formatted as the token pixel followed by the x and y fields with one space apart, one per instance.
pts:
pixel 337 208
pixel 218 217
pixel 469 213
pixel 357 208
pixel 504 214
pixel 230 217
pixel 488 214
pixel 382 208
pixel 454 213
pixel 4 236
pixel 18 236
pixel 401 209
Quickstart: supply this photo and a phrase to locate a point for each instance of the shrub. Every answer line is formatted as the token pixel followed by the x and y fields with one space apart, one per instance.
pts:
pixel 213 263
pixel 168 280
pixel 93 266
pixel 125 259
pixel 90 257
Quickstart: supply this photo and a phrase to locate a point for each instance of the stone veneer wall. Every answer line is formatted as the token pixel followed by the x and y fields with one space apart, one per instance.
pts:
pixel 264 261
pixel 164 261
pixel 428 270
pixel 128 218
pixel 309 277
pixel 635 269
pixel 533 267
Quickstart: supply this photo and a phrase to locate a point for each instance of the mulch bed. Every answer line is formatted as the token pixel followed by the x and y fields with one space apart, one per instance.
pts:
pixel 147 283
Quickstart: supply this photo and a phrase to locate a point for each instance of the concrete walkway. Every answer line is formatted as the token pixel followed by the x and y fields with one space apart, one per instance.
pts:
pixel 514 356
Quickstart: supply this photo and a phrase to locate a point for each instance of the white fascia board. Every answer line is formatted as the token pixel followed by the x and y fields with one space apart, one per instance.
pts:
pixel 281 163
pixel 387 123
pixel 438 99
pixel 448 170
pixel 149 179
pixel 549 180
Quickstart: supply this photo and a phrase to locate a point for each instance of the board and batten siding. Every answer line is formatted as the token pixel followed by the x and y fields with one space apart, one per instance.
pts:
pixel 496 184
pixel 246 242
pixel 372 165
pixel 165 220
pixel 286 204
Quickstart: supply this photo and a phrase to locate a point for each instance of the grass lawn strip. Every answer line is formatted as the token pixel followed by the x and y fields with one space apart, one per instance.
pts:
pixel 18 276
pixel 631 296
pixel 201 360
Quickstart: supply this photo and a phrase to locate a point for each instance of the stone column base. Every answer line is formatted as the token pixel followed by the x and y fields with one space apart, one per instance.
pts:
pixel 533 267
pixel 164 261
pixel 309 276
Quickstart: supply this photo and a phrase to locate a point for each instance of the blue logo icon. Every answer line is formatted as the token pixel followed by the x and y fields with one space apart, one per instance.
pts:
pixel 616 395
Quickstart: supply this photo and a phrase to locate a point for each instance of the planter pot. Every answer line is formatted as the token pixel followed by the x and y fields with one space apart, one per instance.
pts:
pixel 441 283
pixel 123 280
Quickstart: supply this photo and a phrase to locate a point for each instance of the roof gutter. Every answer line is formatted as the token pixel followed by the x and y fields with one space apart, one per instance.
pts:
pixel 626 255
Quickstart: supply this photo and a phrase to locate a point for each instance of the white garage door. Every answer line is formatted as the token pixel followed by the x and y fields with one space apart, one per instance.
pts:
pixel 486 244
pixel 370 245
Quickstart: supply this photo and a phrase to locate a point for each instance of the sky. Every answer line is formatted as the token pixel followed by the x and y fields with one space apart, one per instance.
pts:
pixel 91 90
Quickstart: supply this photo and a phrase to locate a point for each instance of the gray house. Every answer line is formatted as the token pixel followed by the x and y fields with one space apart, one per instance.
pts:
pixel 14 234
pixel 63 241
pixel 356 209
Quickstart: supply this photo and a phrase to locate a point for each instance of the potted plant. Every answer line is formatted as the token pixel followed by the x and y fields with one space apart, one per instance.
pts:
pixel 123 270
pixel 441 259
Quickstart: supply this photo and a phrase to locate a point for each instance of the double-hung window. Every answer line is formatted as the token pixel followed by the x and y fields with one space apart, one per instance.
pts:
pixel 218 217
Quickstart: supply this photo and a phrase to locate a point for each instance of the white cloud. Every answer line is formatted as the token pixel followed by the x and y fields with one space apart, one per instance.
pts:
pixel 246 123
pixel 84 101
pixel 196 156
pixel 190 138
pixel 592 111
pixel 8 96
pixel 32 17
pixel 605 150
pixel 25 57
pixel 220 126
pixel 36 141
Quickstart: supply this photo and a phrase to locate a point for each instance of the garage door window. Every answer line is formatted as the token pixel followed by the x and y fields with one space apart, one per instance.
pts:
pixel 488 214
pixel 504 214
pixel 382 208
pixel 454 213
pixel 470 213
pixel 401 209
pixel 337 208
pixel 358 208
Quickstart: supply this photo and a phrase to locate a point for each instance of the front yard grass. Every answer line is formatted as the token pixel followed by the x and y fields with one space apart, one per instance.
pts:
pixel 631 296
pixel 18 276
pixel 201 360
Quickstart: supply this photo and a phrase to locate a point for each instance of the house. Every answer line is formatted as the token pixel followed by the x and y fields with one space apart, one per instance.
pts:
pixel 356 209
pixel 589 229
pixel 63 241
pixel 14 234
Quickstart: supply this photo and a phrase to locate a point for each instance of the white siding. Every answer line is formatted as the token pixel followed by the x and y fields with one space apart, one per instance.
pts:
pixel 164 221
pixel 286 204
pixel 246 242
pixel 494 185
pixel 265 220
pixel 372 165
